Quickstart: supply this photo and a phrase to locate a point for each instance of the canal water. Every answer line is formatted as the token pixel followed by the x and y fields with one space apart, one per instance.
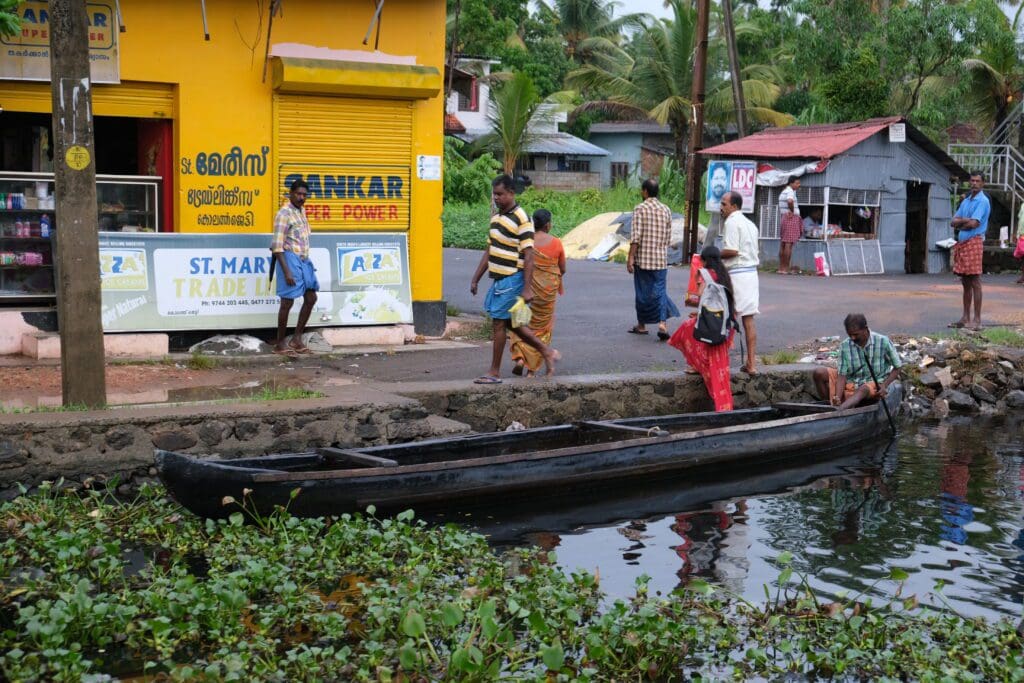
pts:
pixel 944 503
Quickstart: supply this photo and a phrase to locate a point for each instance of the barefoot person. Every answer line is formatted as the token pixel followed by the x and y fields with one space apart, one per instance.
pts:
pixel 508 261
pixel 971 220
pixel 548 272
pixel 862 357
pixel 739 251
pixel 296 276
pixel 790 224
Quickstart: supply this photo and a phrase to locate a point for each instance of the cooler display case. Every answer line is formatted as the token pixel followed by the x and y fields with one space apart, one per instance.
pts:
pixel 28 225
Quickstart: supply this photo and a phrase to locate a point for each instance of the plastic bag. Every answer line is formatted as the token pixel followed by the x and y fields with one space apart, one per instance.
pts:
pixel 1019 251
pixel 521 313
pixel 821 264
pixel 692 295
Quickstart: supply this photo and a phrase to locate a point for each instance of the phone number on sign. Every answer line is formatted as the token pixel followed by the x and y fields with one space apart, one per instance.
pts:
pixel 239 302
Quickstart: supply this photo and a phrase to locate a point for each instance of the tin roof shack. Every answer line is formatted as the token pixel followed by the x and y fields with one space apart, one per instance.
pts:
pixel 880 189
pixel 636 150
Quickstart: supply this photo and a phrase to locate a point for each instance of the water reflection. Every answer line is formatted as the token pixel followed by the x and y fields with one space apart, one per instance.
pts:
pixel 943 503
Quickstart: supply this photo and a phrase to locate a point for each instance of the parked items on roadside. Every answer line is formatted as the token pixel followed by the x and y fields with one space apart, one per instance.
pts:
pixel 648 261
pixel 509 262
pixel 864 359
pixel 296 273
pixel 548 273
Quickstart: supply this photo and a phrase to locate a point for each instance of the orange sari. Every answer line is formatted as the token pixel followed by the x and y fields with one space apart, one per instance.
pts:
pixel 547 285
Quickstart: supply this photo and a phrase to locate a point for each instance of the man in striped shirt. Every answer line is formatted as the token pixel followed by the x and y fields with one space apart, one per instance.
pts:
pixel 508 261
pixel 864 360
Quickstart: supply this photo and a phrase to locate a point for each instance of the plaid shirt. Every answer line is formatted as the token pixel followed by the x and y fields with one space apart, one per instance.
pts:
pixel 880 353
pixel 651 232
pixel 291 231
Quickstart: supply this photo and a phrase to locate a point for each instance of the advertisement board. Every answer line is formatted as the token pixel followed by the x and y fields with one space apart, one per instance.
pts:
pixel 731 176
pixel 161 282
pixel 26 54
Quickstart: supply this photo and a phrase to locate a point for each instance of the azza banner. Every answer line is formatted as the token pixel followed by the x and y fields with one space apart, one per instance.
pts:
pixel 735 176
pixel 25 56
pixel 184 281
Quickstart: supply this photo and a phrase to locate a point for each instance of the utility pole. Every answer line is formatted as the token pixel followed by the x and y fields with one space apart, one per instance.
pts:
pixel 694 162
pixel 76 240
pixel 734 67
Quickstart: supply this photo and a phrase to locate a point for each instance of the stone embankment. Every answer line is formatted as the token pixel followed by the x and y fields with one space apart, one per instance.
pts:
pixel 964 376
pixel 120 442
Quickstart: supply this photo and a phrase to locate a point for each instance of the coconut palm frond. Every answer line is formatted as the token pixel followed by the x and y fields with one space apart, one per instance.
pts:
pixel 615 110
pixel 515 103
pixel 671 109
pixel 770 116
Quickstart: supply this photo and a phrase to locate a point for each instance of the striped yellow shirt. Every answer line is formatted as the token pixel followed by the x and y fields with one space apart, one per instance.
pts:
pixel 511 234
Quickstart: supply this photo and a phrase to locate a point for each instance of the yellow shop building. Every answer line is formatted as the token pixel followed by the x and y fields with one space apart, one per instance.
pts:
pixel 204 113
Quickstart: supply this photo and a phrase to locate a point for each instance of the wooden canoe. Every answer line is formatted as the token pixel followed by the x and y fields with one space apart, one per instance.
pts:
pixel 561 458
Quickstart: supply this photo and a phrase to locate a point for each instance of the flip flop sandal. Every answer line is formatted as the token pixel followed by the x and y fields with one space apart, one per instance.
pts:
pixel 663 335
pixel 634 330
pixel 957 325
pixel 487 379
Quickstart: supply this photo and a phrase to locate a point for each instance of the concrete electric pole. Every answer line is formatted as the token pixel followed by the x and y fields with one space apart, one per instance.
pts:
pixel 76 240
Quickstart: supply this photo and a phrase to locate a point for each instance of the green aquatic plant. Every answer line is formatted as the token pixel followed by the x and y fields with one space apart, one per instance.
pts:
pixel 369 598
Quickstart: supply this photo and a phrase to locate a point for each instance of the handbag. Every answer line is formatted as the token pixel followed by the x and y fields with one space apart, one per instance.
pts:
pixel 692 295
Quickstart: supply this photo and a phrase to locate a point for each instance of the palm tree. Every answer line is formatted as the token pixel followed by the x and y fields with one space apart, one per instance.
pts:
pixel 656 83
pixel 514 103
pixel 589 27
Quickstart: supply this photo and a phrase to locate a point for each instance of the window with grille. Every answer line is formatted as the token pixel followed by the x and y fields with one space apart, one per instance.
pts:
pixel 620 171
pixel 471 103
pixel 579 165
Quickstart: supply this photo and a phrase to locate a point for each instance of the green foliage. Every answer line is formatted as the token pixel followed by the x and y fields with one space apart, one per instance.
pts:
pixel 198 361
pixel 275 393
pixel 467 181
pixel 10 21
pixel 858 91
pixel 515 102
pixel 358 598
pixel 794 102
pixel 1003 336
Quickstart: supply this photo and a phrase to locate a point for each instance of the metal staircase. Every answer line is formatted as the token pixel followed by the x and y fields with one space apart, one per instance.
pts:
pixel 999 159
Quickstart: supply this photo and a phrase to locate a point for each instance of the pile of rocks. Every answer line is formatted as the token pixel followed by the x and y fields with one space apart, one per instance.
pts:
pixel 958 376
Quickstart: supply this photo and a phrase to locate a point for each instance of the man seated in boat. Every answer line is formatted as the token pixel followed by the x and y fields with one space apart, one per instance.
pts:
pixel 864 360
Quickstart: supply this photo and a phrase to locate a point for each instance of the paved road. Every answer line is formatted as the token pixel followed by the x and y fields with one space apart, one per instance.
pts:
pixel 597 309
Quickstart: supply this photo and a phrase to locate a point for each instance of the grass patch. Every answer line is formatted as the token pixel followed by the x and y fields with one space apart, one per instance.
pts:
pixel 1004 336
pixel 73 408
pixel 359 598
pixel 285 394
pixel 453 310
pixel 781 357
pixel 200 362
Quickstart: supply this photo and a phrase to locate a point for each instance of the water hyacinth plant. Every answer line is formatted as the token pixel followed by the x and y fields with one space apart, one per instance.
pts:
pixel 97 589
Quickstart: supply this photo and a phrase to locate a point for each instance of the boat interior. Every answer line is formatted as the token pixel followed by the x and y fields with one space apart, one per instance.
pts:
pixel 471 446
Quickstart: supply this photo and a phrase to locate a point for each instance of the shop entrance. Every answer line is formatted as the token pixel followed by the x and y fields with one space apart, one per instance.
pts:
pixel 915 258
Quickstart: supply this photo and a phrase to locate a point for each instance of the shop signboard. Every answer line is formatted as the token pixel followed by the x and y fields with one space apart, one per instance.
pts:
pixel 731 176
pixel 352 197
pixel 25 56
pixel 161 282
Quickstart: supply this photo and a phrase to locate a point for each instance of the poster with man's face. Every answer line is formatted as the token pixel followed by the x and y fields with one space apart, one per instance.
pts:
pixel 735 176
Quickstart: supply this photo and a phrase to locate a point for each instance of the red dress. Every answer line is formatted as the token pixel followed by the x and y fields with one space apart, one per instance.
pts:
pixel 712 362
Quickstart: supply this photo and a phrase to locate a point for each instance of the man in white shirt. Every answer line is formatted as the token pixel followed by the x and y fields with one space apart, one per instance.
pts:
pixel 739 252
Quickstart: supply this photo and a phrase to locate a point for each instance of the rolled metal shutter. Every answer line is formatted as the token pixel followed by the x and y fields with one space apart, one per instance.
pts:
pixel 132 99
pixel 355 154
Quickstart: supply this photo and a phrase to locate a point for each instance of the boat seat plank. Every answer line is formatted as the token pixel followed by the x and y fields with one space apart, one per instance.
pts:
pixel 340 456
pixel 639 431
pixel 805 407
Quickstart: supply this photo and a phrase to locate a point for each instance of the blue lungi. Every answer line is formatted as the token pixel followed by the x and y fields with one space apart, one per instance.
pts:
pixel 652 302
pixel 303 272
pixel 502 296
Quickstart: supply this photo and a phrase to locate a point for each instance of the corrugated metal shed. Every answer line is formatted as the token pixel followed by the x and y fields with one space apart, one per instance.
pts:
pixel 563 143
pixel 630 127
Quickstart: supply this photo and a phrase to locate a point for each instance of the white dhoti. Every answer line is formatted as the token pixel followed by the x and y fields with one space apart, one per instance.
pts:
pixel 745 291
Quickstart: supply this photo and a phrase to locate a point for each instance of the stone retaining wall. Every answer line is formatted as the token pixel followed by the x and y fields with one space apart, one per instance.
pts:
pixel 536 403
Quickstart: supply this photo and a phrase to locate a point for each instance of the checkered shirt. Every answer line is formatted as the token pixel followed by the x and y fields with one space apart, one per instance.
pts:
pixel 652 230
pixel 291 231
pixel 879 351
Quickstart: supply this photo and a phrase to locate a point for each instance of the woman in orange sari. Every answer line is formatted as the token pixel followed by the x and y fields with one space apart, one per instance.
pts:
pixel 712 362
pixel 548 269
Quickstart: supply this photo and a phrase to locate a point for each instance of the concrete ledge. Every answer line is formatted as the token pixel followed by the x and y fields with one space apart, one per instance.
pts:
pixel 45 345
pixel 382 335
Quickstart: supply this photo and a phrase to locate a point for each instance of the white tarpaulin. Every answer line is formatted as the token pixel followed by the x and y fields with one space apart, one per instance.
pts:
pixel 769 176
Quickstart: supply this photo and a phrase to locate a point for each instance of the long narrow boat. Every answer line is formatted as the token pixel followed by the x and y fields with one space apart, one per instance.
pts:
pixel 529 462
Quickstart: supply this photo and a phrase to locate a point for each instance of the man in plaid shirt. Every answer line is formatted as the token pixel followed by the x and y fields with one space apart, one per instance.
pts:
pixel 296 274
pixel 648 261
pixel 863 358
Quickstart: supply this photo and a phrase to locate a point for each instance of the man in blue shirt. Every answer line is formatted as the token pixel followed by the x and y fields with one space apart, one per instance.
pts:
pixel 971 222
